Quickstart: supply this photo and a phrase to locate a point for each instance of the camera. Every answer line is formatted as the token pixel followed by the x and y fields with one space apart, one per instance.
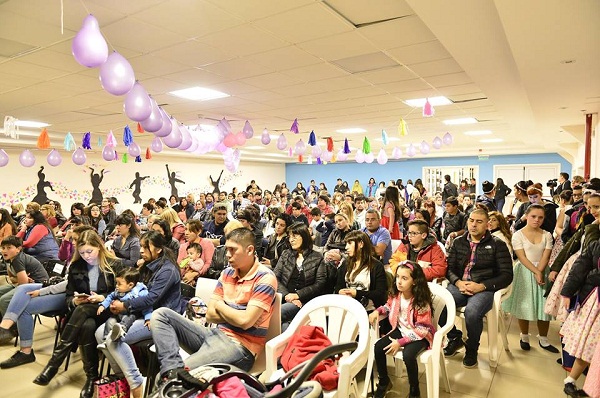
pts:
pixel 553 183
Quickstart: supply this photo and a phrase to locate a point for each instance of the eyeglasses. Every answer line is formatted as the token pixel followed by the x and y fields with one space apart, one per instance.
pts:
pixel 411 233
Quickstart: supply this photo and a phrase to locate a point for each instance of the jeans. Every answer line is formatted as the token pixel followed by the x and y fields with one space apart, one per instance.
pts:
pixel 476 306
pixel 409 356
pixel 119 353
pixel 6 294
pixel 206 345
pixel 22 307
pixel 500 204
pixel 288 312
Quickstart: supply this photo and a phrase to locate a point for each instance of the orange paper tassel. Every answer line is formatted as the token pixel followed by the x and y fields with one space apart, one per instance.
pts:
pixel 148 154
pixel 330 144
pixel 300 158
pixel 43 141
pixel 139 128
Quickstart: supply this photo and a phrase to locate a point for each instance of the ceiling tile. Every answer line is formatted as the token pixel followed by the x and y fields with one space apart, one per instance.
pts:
pixel 159 85
pixel 196 77
pixel 52 59
pixel 451 79
pixel 421 52
pixel 18 28
pixel 137 35
pixel 399 32
pixel 155 66
pixel 193 53
pixel 237 69
pixel 339 46
pixel 251 10
pixel 360 12
pixel 388 75
pixel 30 70
pixel 406 85
pixel 434 68
pixel 284 58
pixel 316 72
pixel 243 40
pixel 271 81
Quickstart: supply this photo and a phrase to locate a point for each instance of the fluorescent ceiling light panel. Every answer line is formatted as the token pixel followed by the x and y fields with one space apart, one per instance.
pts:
pixel 29 123
pixel 478 132
pixel 491 140
pixel 434 101
pixel 198 94
pixel 463 120
pixel 352 130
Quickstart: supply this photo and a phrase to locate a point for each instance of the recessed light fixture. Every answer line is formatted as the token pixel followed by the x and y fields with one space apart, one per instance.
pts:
pixel 478 132
pixel 491 140
pixel 462 120
pixel 198 94
pixel 29 123
pixel 435 101
pixel 352 130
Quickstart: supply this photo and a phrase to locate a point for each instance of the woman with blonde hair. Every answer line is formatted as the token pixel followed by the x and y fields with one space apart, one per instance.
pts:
pixel 177 227
pixel 50 214
pixel 90 279
pixel 336 199
pixel 346 208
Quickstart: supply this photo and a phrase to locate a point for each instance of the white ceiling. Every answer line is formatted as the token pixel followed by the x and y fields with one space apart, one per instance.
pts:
pixel 332 64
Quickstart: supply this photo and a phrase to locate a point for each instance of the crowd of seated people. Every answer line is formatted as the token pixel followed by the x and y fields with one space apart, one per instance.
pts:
pixel 300 244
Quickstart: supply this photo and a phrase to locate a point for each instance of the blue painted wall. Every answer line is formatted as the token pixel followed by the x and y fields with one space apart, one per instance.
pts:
pixel 409 168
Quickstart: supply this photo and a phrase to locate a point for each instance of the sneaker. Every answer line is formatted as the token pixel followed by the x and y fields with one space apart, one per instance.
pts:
pixel 470 360
pixel 117 332
pixel 414 392
pixel 525 345
pixel 6 335
pixel 550 348
pixel 18 359
pixel 453 346
pixel 572 391
pixel 382 389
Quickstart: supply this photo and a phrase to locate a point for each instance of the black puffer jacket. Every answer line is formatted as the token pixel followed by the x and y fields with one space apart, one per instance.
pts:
pixel 314 274
pixel 493 267
pixel 78 280
pixel 585 274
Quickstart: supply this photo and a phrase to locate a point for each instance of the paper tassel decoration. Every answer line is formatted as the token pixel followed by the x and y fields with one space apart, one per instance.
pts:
pixel 10 127
pixel 87 141
pixel 290 152
pixel 139 129
pixel 43 141
pixel 100 145
pixel 116 156
pixel 312 138
pixel 428 110
pixel 111 141
pixel 69 143
pixel 125 158
pixel 346 146
pixel 330 144
pixel 402 128
pixel 384 137
pixel 138 159
pixel 127 136
pixel 300 158
pixel 294 129
pixel 319 161
pixel 148 153
pixel 366 146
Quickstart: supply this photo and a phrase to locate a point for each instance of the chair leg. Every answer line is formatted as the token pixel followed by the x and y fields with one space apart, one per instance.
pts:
pixel 369 373
pixel 492 328
pixel 444 374
pixel 153 373
pixel 503 331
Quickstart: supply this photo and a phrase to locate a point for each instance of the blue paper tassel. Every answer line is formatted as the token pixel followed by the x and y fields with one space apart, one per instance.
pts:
pixel 384 137
pixel 87 138
pixel 69 143
pixel 312 139
pixel 138 159
pixel 346 146
pixel 127 136
pixel 100 142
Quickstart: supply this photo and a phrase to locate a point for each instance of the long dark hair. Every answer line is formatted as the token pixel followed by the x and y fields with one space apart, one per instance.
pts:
pixel 159 241
pixel 38 218
pixel 392 196
pixel 167 233
pixel 421 293
pixel 7 219
pixel 364 255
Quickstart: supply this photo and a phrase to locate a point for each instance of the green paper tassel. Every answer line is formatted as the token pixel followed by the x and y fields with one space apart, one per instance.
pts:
pixel 124 158
pixel 366 146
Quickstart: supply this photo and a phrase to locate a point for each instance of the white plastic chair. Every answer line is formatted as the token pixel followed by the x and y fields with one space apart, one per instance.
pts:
pixel 495 325
pixel 343 319
pixel 432 359
pixel 395 244
pixel 205 288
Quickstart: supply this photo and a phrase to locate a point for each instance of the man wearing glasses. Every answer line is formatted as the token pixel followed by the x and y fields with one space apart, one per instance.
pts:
pixel 380 236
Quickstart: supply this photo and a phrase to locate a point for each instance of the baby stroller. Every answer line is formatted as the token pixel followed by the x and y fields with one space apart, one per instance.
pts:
pixel 189 386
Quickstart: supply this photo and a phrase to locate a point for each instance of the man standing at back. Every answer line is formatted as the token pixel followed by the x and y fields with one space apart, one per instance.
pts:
pixel 479 264
pixel 450 189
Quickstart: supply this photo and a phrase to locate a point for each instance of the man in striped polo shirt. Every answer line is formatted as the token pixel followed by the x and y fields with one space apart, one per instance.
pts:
pixel 241 306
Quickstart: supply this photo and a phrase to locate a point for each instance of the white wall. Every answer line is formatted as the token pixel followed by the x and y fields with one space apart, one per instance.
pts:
pixel 72 183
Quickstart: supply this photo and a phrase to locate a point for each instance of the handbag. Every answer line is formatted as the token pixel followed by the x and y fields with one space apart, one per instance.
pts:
pixel 111 386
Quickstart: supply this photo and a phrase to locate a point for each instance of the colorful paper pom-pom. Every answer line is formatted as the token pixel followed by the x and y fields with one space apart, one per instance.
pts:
pixel 124 160
pixel 138 159
pixel 294 129
pixel 127 136
pixel 69 143
pixel 139 128
pixel 366 146
pixel 43 141
pixel 148 153
pixel 346 146
pixel 312 139
pixel 87 141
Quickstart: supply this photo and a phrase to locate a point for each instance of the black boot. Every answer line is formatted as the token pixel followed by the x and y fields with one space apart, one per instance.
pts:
pixel 89 357
pixel 67 338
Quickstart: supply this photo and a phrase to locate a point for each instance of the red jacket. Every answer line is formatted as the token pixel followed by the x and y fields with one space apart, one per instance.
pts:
pixel 431 253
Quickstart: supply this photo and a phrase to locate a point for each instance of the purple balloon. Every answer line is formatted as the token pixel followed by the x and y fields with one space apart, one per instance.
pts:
pixel 79 157
pixel 437 142
pixel 360 156
pixel 327 156
pixel 265 138
pixel 221 147
pixel 26 158
pixel 108 153
pixel 396 153
pixel 341 156
pixel 54 158
pixel 316 151
pixel 186 141
pixel 425 149
pixel 165 130
pixel 174 139
pixel 155 121
pixel 447 139
pixel 116 75
pixel 89 47
pixel 382 157
pixel 300 148
pixel 248 130
pixel 411 151
pixel 3 158
pixel 157 145
pixel 194 145
pixel 281 142
pixel 369 157
pixel 138 106
pixel 134 150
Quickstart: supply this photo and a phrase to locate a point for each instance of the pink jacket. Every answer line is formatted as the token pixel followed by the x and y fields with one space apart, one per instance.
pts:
pixel 421 320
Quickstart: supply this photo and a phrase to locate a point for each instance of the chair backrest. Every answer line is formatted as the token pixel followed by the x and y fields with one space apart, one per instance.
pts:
pixel 205 288
pixel 442 298
pixel 395 244
pixel 274 330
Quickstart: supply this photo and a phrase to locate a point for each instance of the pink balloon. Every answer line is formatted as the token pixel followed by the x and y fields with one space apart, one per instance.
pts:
pixel 89 47
pixel 116 75
pixel 265 138
pixel 360 156
pixel 137 103
pixel 79 157
pixel 327 156
pixel 281 142
pixel 341 156
pixel 166 128
pixel 54 158
pixel 3 158
pixel 230 140
pixel 425 149
pixel 157 145
pixel 240 138
pixel 134 149
pixel 221 147
pixel 437 142
pixel 174 139
pixel 108 153
pixel 411 151
pixel 382 157
pixel 186 141
pixel 316 151
pixel 155 121
pixel 447 139
pixel 194 145
pixel 369 157
pixel 396 153
pixel 26 158
pixel 300 147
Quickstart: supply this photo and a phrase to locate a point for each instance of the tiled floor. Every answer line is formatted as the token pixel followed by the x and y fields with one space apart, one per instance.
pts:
pixel 519 373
